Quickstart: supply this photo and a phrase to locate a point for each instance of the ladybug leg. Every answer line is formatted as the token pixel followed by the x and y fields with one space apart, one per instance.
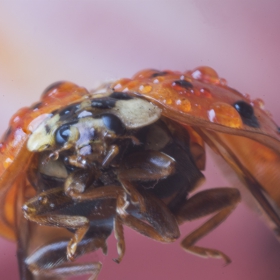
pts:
pixel 107 192
pixel 223 201
pixel 68 270
pixel 113 151
pixel 159 223
pixel 119 235
pixel 40 210
pixel 141 166
pixel 78 181
pixel 50 260
pixel 144 166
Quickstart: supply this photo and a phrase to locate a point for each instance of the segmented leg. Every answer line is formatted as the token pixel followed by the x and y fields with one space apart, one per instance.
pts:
pixel 50 261
pixel 160 225
pixel 144 166
pixel 223 201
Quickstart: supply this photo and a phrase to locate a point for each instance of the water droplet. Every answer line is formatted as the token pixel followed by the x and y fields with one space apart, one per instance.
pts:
pixel 208 75
pixel 120 84
pixel 183 105
pixel 258 103
pixel 223 82
pixel 145 89
pixel 168 101
pixel 206 92
pixel 8 161
pixel 224 114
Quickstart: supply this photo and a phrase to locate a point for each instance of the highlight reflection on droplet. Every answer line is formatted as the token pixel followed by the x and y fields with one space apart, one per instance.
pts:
pixel 224 114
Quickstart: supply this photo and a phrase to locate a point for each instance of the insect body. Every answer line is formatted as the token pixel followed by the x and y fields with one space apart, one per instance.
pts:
pixel 129 153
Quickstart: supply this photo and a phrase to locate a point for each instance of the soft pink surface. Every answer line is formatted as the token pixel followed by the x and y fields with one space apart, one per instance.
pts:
pixel 88 42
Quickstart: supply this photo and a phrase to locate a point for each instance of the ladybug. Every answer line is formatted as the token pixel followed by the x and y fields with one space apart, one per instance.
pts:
pixel 79 165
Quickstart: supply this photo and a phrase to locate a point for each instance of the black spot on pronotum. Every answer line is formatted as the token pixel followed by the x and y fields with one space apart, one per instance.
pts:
pixel 159 74
pixel 69 110
pixel 103 103
pixel 246 111
pixel 113 123
pixel 48 129
pixel 120 95
pixel 52 87
pixel 183 83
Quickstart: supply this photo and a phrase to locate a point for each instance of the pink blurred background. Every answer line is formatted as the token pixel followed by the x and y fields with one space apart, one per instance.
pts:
pixel 88 42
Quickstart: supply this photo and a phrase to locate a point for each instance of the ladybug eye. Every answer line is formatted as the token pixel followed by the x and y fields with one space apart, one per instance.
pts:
pixel 246 111
pixel 113 123
pixel 62 134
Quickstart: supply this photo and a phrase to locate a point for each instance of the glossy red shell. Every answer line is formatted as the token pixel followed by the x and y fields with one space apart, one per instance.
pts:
pixel 199 99
pixel 203 101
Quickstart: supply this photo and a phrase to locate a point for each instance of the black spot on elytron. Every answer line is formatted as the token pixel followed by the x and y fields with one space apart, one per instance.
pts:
pixel 278 130
pixel 52 87
pixel 103 103
pixel 36 106
pixel 48 129
pixel 7 134
pixel 246 111
pixel 113 123
pixel 120 95
pixel 183 83
pixel 159 74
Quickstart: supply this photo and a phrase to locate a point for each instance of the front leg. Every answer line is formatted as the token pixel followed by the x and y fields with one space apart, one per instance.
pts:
pixel 144 166
pixel 41 210
pixel 223 201
pixel 50 261
pixel 141 166
pixel 157 222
